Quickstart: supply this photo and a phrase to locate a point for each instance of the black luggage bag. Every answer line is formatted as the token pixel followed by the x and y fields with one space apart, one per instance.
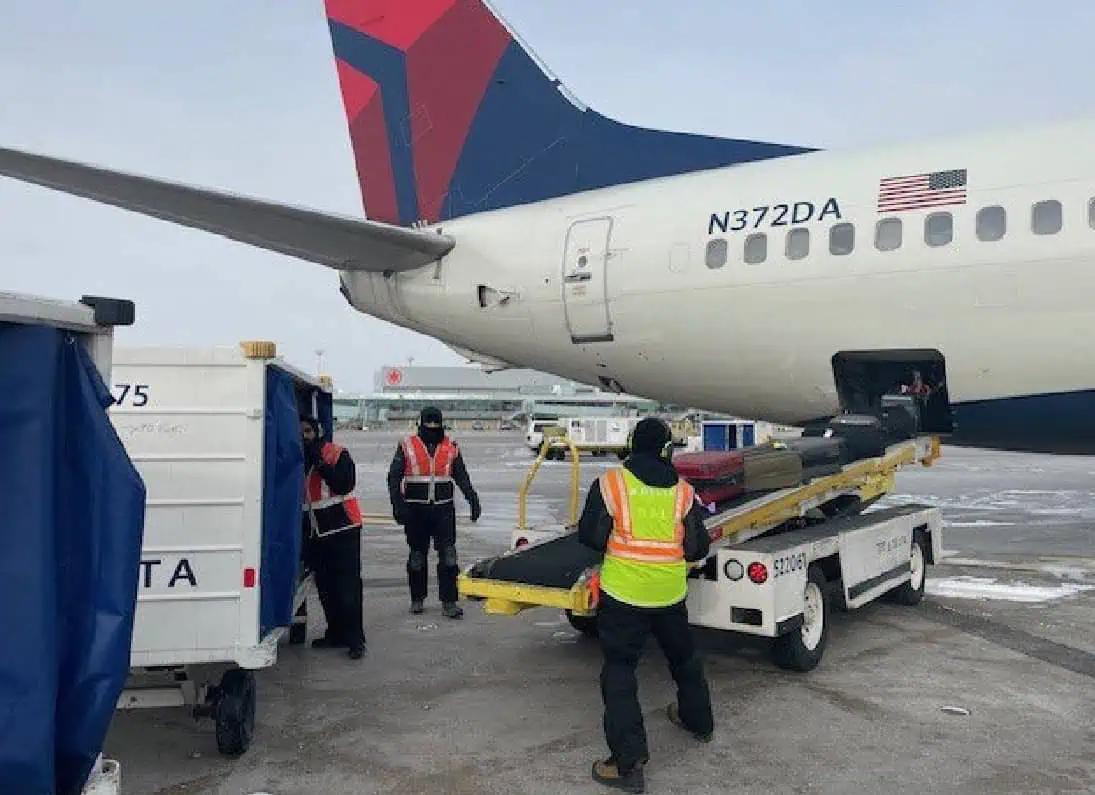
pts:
pixel 862 433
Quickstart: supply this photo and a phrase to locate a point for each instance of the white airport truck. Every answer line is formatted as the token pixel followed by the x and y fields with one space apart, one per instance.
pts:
pixel 778 560
pixel 215 433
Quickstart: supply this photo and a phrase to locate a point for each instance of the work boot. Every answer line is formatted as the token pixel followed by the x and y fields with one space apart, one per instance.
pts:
pixel 674 714
pixel 326 642
pixel 357 652
pixel 416 607
pixel 452 610
pixel 608 773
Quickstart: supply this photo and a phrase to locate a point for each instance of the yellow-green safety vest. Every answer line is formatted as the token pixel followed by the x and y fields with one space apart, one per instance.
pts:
pixel 644 562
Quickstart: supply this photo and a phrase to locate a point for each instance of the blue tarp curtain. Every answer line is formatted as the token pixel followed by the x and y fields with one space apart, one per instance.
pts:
pixel 283 491
pixel 71 523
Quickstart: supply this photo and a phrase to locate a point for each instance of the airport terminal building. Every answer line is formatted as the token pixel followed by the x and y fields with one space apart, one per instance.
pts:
pixel 470 396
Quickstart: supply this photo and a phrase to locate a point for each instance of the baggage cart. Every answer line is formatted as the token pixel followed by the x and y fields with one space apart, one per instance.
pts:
pixel 215 434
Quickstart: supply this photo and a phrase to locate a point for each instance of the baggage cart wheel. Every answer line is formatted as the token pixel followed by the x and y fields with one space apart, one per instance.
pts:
pixel 235 712
pixel 911 592
pixel 802 649
pixel 587 625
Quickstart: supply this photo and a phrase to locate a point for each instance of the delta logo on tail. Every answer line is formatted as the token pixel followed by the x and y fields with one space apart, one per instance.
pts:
pixel 450 115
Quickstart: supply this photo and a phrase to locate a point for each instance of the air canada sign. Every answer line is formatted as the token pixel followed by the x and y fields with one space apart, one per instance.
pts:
pixel 394 377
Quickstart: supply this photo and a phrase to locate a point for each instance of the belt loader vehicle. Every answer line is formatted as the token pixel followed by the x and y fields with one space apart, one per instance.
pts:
pixel 778 559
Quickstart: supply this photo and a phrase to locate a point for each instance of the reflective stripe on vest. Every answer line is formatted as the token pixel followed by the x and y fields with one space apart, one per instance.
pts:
pixel 421 469
pixel 319 499
pixel 623 542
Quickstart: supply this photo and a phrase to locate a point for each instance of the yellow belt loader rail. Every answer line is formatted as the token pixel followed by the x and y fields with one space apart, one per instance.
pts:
pixel 865 480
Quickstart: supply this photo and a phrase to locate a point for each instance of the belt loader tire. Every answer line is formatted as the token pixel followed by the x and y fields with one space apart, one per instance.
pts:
pixel 802 648
pixel 587 625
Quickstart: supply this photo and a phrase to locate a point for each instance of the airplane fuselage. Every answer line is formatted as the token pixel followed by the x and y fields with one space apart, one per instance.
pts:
pixel 1012 317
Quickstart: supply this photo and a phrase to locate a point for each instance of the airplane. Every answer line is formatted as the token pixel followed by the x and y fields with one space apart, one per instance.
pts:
pixel 522 228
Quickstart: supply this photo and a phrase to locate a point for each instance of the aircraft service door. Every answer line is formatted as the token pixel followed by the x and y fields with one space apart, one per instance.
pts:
pixel 585 296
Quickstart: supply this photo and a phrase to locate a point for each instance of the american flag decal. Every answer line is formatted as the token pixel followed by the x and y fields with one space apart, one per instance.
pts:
pixel 922 191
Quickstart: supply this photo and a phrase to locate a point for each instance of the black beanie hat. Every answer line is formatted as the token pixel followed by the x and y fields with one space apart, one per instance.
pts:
pixel 651 435
pixel 431 416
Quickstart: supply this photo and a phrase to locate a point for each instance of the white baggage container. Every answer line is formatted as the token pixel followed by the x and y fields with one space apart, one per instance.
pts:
pixel 195 423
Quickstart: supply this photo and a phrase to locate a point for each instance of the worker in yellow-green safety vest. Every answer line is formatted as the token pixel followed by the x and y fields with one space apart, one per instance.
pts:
pixel 648 524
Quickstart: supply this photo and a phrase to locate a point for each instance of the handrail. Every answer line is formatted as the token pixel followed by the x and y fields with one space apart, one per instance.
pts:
pixel 575 482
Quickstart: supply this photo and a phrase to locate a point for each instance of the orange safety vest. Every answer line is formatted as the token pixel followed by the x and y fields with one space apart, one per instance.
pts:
pixel 328 512
pixel 428 479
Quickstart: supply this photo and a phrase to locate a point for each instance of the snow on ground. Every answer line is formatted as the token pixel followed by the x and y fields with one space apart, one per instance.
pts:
pixel 964 587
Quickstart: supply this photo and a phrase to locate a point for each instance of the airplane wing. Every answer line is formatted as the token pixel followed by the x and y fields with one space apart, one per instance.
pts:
pixel 335 241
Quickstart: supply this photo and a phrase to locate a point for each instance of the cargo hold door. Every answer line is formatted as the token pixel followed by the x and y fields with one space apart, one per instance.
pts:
pixel 585 285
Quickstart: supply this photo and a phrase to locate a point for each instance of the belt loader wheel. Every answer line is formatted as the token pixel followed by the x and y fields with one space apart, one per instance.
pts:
pixel 802 649
pixel 235 712
pixel 911 592
pixel 587 625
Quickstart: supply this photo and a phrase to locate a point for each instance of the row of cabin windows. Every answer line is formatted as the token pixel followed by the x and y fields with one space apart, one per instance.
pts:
pixel 1046 218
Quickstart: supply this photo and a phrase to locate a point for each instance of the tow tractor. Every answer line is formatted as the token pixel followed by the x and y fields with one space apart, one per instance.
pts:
pixel 778 560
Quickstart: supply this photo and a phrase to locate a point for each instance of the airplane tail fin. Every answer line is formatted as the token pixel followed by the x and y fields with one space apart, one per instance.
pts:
pixel 451 114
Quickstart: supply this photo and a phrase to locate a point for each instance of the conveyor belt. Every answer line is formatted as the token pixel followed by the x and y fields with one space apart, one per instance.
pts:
pixel 554 564
pixel 550 574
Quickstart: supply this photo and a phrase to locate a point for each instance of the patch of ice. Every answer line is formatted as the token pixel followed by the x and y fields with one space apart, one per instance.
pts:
pixel 963 587
pixel 979 523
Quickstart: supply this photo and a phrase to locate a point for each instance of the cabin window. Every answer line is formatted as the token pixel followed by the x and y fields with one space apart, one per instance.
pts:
pixel 841 239
pixel 887 234
pixel 716 253
pixel 992 223
pixel 1091 213
pixel 939 229
pixel 756 248
pixel 1045 218
pixel 798 243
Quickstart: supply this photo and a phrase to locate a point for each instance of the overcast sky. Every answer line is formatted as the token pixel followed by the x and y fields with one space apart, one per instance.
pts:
pixel 242 95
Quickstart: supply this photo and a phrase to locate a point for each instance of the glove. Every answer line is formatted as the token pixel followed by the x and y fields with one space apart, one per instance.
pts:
pixel 476 508
pixel 399 513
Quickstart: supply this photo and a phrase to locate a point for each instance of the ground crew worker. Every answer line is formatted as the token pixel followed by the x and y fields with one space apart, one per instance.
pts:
pixel 424 470
pixel 332 531
pixel 648 524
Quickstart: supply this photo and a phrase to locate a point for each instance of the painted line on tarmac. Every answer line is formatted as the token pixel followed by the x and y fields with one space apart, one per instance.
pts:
pixel 1067 657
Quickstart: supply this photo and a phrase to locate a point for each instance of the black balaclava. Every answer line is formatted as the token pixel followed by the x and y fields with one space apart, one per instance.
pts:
pixel 431 417
pixel 652 437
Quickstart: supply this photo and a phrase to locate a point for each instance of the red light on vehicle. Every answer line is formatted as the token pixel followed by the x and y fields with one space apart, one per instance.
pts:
pixel 249 578
pixel 758 573
pixel 521 542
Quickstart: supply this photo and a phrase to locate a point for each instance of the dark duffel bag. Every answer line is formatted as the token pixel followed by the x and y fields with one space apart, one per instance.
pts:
pixel 862 433
pixel 769 467
pixel 820 456
pixel 716 476
pixel 900 417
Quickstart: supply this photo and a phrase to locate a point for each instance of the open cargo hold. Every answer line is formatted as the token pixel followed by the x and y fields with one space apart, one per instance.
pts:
pixel 216 435
pixel 71 516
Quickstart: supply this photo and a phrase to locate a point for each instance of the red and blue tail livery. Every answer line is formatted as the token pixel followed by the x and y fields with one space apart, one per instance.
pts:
pixel 449 115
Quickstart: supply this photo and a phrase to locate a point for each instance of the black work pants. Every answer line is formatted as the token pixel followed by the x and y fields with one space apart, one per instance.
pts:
pixel 436 523
pixel 336 561
pixel 623 630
